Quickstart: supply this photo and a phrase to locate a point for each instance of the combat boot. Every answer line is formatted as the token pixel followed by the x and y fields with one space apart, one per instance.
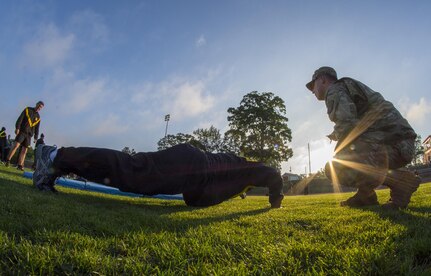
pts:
pixel 403 184
pixel 363 197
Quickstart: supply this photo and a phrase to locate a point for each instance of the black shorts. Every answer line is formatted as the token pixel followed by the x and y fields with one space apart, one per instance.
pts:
pixel 23 139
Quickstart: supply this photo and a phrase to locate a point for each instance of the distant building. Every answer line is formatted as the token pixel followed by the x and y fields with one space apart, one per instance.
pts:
pixel 290 177
pixel 427 150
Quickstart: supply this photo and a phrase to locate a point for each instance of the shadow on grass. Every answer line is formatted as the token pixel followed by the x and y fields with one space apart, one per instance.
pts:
pixel 425 210
pixel 416 240
pixel 402 216
pixel 26 211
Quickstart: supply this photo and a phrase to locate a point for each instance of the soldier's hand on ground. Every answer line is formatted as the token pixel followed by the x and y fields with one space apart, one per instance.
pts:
pixel 275 201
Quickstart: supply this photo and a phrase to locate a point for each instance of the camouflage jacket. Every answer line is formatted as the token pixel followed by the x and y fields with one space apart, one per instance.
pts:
pixel 358 110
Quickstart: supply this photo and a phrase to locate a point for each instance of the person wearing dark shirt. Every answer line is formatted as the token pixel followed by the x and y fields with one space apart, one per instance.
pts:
pixel 26 126
pixel 39 141
pixel 3 143
pixel 203 178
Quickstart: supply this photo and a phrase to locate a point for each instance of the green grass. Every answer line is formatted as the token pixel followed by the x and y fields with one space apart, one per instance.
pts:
pixel 77 232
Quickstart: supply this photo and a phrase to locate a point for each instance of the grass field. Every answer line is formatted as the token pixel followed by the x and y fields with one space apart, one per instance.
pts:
pixel 78 232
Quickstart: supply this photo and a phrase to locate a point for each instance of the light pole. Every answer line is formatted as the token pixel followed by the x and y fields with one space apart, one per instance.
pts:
pixel 167 117
pixel 309 159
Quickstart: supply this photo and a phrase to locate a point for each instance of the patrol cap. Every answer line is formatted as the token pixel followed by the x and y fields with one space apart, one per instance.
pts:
pixel 324 70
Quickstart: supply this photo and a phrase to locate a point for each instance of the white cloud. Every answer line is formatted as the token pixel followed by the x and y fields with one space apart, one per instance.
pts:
pixel 141 94
pixel 308 125
pixel 415 113
pixel 83 93
pixel 179 97
pixel 189 100
pixel 49 47
pixel 89 26
pixel 73 95
pixel 110 125
pixel 321 151
pixel 201 41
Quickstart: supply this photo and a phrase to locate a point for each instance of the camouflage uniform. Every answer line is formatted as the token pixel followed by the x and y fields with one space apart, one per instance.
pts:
pixel 371 134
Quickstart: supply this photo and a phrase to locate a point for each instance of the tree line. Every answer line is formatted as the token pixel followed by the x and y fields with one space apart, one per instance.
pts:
pixel 257 130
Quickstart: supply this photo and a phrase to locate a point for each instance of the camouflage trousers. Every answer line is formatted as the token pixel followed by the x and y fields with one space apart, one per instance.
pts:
pixel 365 164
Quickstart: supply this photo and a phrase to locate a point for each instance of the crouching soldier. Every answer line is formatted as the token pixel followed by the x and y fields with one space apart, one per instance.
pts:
pixel 375 142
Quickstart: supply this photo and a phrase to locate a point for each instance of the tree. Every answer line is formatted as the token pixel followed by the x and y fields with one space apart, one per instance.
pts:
pixel 419 151
pixel 210 138
pixel 231 144
pixel 260 128
pixel 206 139
pixel 180 138
pixel 129 151
pixel 320 174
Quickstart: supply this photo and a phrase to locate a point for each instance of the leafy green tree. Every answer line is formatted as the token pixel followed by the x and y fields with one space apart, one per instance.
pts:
pixel 179 138
pixel 260 128
pixel 320 174
pixel 231 144
pixel 210 138
pixel 30 154
pixel 206 139
pixel 129 151
pixel 419 151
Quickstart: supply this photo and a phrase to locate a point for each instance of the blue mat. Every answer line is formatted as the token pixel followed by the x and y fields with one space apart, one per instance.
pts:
pixel 95 187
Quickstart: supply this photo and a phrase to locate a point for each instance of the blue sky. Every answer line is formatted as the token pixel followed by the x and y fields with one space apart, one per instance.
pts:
pixel 108 71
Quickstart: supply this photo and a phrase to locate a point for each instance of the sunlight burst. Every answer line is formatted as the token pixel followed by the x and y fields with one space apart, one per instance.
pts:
pixel 334 178
pixel 378 174
pixel 367 120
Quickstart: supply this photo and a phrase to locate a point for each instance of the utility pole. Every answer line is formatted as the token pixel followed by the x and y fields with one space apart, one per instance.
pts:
pixel 167 117
pixel 309 159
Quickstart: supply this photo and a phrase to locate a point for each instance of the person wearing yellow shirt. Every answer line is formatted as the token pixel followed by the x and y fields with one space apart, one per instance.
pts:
pixel 27 125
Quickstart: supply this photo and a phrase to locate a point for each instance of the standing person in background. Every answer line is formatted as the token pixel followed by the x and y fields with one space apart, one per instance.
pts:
pixel 9 142
pixel 3 143
pixel 27 125
pixel 39 141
